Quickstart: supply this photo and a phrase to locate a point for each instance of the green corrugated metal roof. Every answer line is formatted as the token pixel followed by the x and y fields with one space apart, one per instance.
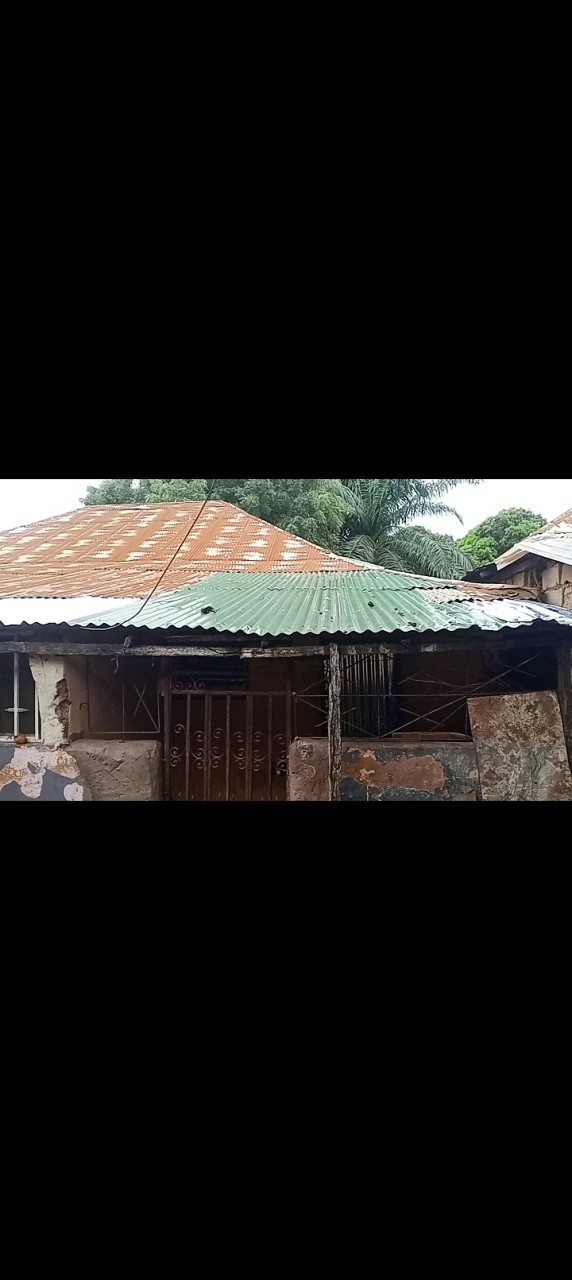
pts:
pixel 316 603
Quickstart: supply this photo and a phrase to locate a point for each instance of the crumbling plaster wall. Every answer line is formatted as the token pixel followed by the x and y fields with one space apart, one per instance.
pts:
pixel 385 770
pixel 114 770
pixel 53 698
pixel 120 770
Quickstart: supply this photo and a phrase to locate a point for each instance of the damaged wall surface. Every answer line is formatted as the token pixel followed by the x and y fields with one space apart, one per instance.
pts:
pixel 551 581
pixel 120 770
pixel 385 770
pixel 520 747
pixel 39 773
pixel 557 585
pixel 53 697
pixel 392 771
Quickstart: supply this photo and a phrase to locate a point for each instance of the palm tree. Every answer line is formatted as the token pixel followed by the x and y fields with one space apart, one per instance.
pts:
pixel 378 526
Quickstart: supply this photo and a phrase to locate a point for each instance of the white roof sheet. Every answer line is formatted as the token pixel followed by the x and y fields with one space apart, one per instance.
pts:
pixel 19 610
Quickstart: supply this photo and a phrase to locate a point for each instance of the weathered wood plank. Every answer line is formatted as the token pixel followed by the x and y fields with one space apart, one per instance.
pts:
pixel 299 651
pixel 43 648
pixel 412 643
pixel 565 694
pixel 335 722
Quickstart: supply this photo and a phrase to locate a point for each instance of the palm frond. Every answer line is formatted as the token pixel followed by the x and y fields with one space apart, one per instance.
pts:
pixel 379 524
pixel 433 554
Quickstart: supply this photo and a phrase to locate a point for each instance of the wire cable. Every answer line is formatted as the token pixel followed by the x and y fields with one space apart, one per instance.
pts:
pixel 173 557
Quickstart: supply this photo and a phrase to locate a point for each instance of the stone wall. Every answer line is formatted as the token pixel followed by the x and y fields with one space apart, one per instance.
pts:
pixel 120 770
pixel 385 770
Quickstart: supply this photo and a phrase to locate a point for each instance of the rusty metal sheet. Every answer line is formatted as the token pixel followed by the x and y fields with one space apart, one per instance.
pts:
pixel 521 752
pixel 114 550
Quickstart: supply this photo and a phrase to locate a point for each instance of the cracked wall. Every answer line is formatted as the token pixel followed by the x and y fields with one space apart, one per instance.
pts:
pixel 53 698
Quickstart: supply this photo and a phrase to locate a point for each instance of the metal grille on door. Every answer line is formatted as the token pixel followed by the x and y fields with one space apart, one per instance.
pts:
pixel 226 744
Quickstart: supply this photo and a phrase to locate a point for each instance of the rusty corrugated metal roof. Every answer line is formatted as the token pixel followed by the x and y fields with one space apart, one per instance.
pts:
pixel 357 603
pixel 122 550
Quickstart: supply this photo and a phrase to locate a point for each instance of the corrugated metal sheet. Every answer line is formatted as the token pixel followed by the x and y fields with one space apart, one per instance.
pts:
pixel 317 603
pixel 16 611
pixel 560 525
pixel 551 546
pixel 116 583
pixel 115 550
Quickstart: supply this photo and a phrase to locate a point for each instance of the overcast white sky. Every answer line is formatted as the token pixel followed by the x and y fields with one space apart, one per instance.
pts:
pixel 22 501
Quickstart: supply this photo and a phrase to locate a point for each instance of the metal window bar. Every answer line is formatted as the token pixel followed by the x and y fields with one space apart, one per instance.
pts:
pixel 364 713
pixel 245 742
pixel 16 709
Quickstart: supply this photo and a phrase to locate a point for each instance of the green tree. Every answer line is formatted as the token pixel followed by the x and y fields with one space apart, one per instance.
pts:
pixel 492 537
pixel 378 526
pixel 115 491
pixel 368 519
pixel 311 509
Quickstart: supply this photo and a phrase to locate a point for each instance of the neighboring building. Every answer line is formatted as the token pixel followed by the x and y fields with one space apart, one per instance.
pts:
pixel 189 651
pixel 541 564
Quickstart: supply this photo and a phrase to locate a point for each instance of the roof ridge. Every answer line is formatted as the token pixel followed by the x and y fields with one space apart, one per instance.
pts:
pixel 566 516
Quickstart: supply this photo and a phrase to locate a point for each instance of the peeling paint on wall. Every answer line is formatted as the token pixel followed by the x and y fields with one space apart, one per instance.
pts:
pixel 384 770
pixel 53 697
pixel 39 773
pixel 520 747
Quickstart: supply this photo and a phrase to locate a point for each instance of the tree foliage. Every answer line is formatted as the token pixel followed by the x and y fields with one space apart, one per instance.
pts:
pixel 377 526
pixel 371 520
pixel 312 509
pixel 492 537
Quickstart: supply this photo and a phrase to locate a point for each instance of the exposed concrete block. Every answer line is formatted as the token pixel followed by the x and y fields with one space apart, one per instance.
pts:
pixel 552 576
pixel 120 770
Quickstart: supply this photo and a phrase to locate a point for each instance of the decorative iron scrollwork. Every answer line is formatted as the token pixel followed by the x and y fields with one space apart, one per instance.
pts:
pixel 282 761
pixel 188 685
pixel 258 756
pixel 217 750
pixel 176 754
pixel 240 754
pixel 227 755
pixel 199 754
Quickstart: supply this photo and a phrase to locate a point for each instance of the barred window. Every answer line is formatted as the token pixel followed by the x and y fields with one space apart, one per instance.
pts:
pixel 19 709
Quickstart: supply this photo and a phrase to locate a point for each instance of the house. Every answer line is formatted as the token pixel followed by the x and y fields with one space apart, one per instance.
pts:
pixel 189 651
pixel 541 563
